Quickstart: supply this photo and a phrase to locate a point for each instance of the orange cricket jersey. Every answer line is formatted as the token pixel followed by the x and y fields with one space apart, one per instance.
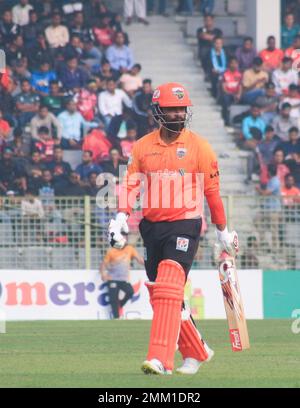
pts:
pixel 117 261
pixel 174 178
pixel 125 254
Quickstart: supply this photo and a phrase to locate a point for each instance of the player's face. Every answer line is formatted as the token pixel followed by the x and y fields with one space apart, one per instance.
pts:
pixel 175 117
pixel 175 113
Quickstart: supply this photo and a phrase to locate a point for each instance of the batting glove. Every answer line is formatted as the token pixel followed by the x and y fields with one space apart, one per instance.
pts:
pixel 226 241
pixel 116 227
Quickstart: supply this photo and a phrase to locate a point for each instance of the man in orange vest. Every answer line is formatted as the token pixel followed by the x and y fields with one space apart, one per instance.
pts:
pixel 177 168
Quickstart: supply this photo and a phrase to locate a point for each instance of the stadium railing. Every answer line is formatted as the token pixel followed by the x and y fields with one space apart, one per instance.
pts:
pixel 70 233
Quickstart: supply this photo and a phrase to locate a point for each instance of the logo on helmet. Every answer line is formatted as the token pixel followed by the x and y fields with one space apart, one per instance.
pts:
pixel 178 92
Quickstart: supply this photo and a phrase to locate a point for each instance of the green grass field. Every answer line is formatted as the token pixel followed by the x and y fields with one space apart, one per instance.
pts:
pixel 109 354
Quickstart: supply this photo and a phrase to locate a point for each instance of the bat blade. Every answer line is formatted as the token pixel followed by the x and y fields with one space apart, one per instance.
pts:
pixel 238 330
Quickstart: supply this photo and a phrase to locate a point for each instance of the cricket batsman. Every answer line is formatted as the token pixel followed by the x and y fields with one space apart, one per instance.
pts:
pixel 171 165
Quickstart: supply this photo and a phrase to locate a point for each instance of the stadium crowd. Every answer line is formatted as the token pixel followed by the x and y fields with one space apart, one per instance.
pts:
pixel 265 84
pixel 70 84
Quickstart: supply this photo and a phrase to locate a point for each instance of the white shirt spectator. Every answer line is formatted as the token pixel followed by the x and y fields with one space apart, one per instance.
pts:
pixel 111 104
pixel 295 112
pixel 57 36
pixel 283 80
pixel 20 14
pixel 32 208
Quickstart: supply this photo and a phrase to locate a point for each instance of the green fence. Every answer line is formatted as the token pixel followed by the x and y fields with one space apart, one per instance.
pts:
pixel 70 233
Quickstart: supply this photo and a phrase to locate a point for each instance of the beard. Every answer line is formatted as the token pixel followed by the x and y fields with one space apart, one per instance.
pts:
pixel 175 126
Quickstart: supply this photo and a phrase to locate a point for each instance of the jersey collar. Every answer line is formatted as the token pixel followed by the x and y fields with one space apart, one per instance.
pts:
pixel 180 139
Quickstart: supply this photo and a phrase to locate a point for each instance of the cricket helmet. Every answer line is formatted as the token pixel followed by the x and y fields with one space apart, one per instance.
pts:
pixel 170 95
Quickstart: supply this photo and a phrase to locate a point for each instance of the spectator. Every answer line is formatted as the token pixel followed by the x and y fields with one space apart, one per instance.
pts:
pixel 292 146
pixel 254 80
pixel 27 103
pixel 44 144
pixel 4 131
pixel 55 100
pixel 104 34
pixel 40 80
pixel 34 165
pixel 249 259
pixel 74 48
pixel 20 148
pixel 207 6
pixel 39 52
pixel 70 188
pixel 45 185
pixel 92 188
pixel 9 170
pixel 218 64
pixel 44 118
pixel 131 81
pixel 253 158
pixel 71 6
pixel 73 125
pixel 290 192
pixel 253 121
pixel 120 55
pixel 293 99
pixel 284 76
pixel 87 166
pixel 78 26
pixel 91 56
pixel 97 142
pixel 60 169
pixel 206 36
pixel 288 31
pixel 293 51
pixel 8 29
pixel 73 77
pixel 246 54
pixel 128 143
pixel 20 72
pixel 271 56
pixel 20 13
pixel 57 34
pixel 269 218
pixel 31 30
pixel 110 102
pixel 281 167
pixel 137 6
pixel 142 107
pixel 116 166
pixel 15 50
pixel 268 103
pixel 268 146
pixel 86 100
pixel 294 167
pixel 231 87
pixel 283 122
pixel 162 7
pixel 106 71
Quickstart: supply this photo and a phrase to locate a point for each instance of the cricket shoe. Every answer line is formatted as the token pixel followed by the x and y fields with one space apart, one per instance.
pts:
pixel 191 365
pixel 155 367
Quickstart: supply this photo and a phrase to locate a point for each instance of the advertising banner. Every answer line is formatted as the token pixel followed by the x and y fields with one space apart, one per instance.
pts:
pixel 81 295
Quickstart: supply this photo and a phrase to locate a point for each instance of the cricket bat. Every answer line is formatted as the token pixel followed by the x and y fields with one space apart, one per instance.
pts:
pixel 238 331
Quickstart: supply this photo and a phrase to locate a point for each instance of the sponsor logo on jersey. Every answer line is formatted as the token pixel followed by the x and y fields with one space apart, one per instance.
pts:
pixel 182 244
pixel 180 152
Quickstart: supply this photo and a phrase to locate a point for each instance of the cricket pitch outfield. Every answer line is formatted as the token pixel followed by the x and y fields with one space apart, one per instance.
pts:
pixel 109 354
